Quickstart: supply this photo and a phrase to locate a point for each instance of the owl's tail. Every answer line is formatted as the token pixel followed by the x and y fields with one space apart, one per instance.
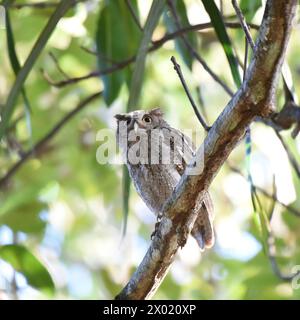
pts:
pixel 203 230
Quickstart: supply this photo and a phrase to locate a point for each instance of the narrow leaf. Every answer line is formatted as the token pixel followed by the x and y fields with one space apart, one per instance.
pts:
pixel 191 36
pixel 117 39
pixel 138 73
pixel 220 29
pixel 261 220
pixel 14 61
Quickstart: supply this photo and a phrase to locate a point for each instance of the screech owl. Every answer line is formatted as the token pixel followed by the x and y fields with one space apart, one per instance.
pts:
pixel 156 156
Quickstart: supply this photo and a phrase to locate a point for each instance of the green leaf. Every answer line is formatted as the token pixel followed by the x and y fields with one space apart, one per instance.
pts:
pixel 190 37
pixel 25 218
pixel 13 200
pixel 249 8
pixel 117 39
pixel 21 210
pixel 14 61
pixel 23 261
pixel 139 67
pixel 220 29
pixel 261 220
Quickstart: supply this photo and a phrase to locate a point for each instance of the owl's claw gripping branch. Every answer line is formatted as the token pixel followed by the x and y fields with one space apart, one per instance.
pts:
pixel 183 234
pixel 254 98
pixel 158 219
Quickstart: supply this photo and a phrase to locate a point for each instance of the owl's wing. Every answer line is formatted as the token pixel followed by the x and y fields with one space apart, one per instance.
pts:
pixel 182 148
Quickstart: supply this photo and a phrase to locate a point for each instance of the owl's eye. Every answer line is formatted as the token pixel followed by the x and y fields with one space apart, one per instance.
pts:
pixel 147 119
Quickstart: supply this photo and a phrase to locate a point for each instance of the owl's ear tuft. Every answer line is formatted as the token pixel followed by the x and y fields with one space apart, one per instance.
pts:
pixel 156 112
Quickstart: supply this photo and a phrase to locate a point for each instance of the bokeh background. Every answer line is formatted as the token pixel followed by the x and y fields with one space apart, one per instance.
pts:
pixel 61 213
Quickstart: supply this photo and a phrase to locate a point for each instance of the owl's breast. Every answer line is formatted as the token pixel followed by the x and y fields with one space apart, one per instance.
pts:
pixel 154 183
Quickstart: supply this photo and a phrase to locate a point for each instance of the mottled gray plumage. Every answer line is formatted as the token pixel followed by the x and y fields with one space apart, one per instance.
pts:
pixel 156 182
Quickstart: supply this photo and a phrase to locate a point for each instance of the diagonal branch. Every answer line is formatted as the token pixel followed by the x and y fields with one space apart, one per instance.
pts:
pixel 254 98
pixel 180 75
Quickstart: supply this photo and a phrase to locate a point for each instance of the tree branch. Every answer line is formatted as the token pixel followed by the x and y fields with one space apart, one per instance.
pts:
pixel 243 24
pixel 180 75
pixel 155 46
pixel 254 98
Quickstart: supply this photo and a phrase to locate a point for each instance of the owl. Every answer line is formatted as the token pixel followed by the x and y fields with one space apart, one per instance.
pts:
pixel 156 156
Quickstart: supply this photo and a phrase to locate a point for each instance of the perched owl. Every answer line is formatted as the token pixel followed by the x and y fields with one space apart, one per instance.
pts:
pixel 156 156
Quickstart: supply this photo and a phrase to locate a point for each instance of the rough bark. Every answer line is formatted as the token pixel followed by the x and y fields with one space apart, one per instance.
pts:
pixel 253 99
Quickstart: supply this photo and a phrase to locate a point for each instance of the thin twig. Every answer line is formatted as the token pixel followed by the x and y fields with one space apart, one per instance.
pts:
pixel 274 264
pixel 54 59
pixel 291 157
pixel 133 14
pixel 88 50
pixel 245 59
pixel 155 45
pixel 198 27
pixel 92 74
pixel 201 102
pixel 289 208
pixel 195 54
pixel 47 137
pixel 186 89
pixel 271 249
pixel 243 24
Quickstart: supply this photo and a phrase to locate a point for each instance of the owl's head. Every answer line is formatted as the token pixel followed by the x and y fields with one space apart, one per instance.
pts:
pixel 142 120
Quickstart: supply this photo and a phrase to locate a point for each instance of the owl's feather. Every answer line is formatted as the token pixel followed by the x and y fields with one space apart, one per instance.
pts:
pixel 156 182
pixel 203 228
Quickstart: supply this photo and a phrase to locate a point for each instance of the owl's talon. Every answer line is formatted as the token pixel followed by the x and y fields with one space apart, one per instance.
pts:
pixel 183 235
pixel 159 216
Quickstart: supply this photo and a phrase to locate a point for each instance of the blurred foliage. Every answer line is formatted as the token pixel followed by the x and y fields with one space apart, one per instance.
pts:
pixel 117 39
pixel 184 22
pixel 25 262
pixel 61 211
